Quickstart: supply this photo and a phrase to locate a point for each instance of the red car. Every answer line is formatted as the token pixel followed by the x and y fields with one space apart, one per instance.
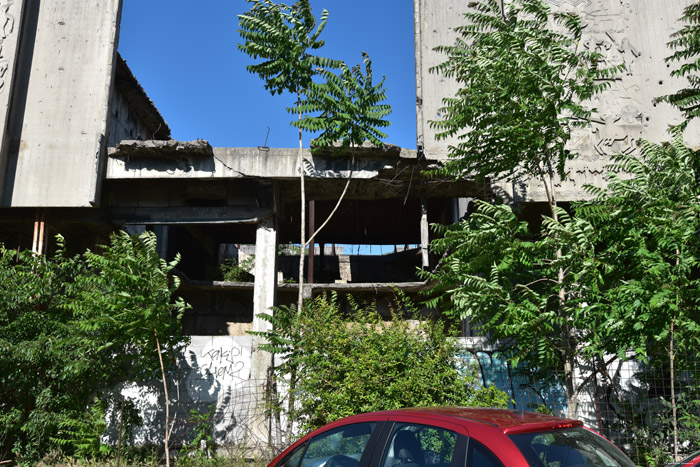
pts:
pixel 452 437
pixel 692 460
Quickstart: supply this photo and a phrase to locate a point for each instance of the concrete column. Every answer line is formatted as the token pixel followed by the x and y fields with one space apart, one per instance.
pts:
pixel 424 232
pixel 162 232
pixel 264 295
pixel 312 248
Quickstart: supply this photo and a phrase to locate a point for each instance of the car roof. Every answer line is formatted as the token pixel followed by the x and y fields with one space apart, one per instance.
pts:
pixel 506 420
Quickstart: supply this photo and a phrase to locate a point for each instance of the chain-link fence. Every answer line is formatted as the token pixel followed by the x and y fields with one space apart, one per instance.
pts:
pixel 650 412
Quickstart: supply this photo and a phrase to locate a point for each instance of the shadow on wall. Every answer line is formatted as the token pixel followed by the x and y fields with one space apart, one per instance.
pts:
pixel 212 377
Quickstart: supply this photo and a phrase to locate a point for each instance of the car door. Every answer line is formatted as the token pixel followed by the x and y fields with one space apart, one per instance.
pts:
pixel 344 446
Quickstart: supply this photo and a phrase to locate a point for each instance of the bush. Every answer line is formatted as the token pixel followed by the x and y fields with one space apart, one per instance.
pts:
pixel 342 364
pixel 71 329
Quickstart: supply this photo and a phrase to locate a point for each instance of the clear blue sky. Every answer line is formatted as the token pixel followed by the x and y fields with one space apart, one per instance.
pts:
pixel 184 55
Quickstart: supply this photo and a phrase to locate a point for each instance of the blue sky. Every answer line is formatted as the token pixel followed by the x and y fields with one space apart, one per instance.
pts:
pixel 184 55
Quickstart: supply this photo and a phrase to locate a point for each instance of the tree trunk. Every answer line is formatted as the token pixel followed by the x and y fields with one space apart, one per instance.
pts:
pixel 302 235
pixel 167 404
pixel 674 408
pixel 568 349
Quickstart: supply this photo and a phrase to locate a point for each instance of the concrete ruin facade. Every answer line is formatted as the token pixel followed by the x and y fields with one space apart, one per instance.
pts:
pixel 84 152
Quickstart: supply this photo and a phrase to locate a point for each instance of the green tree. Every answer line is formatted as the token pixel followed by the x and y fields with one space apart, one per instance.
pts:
pixel 647 226
pixel 686 44
pixel 347 109
pixel 497 273
pixel 284 37
pixel 348 363
pixel 71 328
pixel 524 81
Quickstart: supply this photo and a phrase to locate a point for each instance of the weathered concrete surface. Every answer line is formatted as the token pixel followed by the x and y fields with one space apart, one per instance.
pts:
pixel 213 371
pixel 164 148
pixel 11 14
pixel 278 163
pixel 632 32
pixel 58 121
pixel 264 299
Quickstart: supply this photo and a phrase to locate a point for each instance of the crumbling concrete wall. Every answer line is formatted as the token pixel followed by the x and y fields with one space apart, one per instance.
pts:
pixel 124 124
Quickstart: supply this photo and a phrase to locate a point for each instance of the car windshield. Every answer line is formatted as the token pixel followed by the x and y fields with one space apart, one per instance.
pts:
pixel 575 447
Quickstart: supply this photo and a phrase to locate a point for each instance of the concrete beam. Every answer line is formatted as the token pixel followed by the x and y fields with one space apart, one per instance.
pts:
pixel 11 16
pixel 60 103
pixel 231 163
pixel 424 233
pixel 187 215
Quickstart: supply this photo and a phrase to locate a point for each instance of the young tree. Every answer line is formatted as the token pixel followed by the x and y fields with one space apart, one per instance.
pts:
pixel 647 226
pixel 504 279
pixel 284 37
pixel 347 108
pixel 72 328
pixel 524 82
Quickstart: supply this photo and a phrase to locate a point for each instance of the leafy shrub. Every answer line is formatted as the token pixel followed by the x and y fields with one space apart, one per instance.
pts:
pixel 71 329
pixel 232 271
pixel 343 364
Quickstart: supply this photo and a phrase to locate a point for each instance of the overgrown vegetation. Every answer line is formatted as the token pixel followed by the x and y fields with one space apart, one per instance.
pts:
pixel 71 329
pixel 356 361
pixel 686 45
pixel 524 81
pixel 237 271
pixel 614 274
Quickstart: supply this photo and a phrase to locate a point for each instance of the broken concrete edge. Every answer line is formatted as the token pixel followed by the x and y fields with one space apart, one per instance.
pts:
pixel 162 149
pixel 197 159
pixel 367 148
pixel 200 147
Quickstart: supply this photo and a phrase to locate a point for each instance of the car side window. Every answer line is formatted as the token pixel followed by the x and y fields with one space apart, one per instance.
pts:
pixel 341 447
pixel 479 455
pixel 292 459
pixel 413 445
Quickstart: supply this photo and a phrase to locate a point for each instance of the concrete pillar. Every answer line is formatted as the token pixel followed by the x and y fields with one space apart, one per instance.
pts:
pixel 312 248
pixel 424 232
pixel 162 232
pixel 264 295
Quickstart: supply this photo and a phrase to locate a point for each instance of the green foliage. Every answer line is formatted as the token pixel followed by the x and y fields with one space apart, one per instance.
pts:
pixel 233 271
pixel 649 422
pixel 71 328
pixel 81 436
pixel 346 108
pixel 523 80
pixel 686 44
pixel 499 275
pixel 347 364
pixel 282 37
pixel 203 435
pixel 647 225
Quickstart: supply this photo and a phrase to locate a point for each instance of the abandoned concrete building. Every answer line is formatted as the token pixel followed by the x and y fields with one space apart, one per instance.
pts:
pixel 84 152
